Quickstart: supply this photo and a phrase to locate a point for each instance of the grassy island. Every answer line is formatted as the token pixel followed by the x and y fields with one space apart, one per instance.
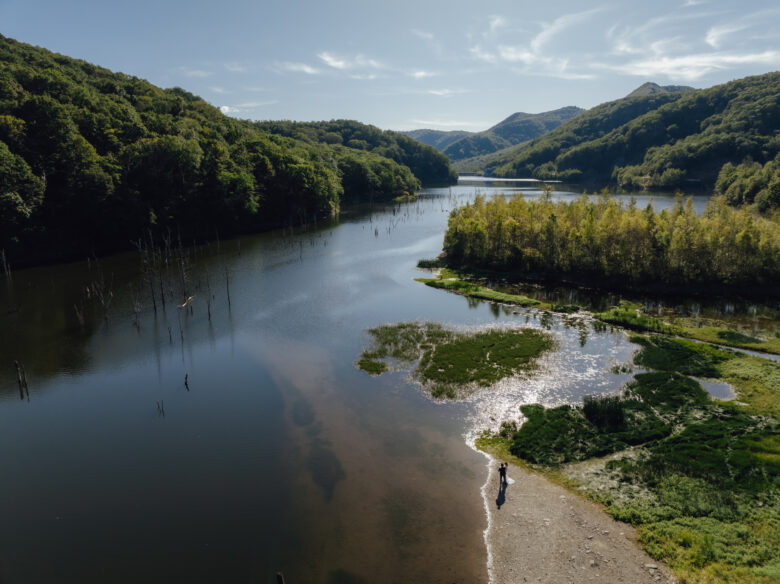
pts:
pixel 448 363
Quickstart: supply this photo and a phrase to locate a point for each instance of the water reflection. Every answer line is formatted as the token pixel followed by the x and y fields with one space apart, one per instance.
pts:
pixel 274 452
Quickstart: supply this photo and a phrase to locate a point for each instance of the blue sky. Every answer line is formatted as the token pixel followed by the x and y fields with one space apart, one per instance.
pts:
pixel 407 64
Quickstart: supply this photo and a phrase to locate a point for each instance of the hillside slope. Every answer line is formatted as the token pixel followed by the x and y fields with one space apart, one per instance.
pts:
pixel 665 140
pixel 517 128
pixel 91 160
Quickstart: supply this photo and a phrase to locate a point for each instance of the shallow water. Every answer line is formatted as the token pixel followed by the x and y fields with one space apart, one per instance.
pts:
pixel 278 455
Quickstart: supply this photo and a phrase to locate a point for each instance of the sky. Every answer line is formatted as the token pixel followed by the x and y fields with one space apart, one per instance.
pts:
pixel 407 64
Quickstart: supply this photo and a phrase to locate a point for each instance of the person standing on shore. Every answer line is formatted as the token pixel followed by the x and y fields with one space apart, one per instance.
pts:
pixel 502 473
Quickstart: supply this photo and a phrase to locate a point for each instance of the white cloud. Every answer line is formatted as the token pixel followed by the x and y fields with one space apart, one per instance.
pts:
pixel 549 31
pixel 422 74
pixel 637 40
pixel 716 34
pixel 449 124
pixel 187 72
pixel 235 67
pixel 429 38
pixel 479 53
pixel 300 68
pixel 497 22
pixel 332 61
pixel 693 67
pixel 517 54
pixel 254 104
pixel 445 92
pixel 220 90
pixel 425 35
pixel 342 63
pixel 533 55
pixel 242 107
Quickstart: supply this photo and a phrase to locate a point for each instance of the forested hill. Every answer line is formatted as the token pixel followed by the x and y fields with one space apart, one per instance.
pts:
pixel 667 140
pixel 427 164
pixel 91 160
pixel 439 139
pixel 650 88
pixel 517 128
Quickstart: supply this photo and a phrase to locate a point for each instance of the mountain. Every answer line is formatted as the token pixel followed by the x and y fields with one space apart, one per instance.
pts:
pixel 517 128
pixel 91 160
pixel 651 88
pixel 437 138
pixel 662 140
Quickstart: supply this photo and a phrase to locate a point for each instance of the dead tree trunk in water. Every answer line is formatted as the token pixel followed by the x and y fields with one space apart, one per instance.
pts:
pixel 21 377
pixel 227 284
pixel 6 266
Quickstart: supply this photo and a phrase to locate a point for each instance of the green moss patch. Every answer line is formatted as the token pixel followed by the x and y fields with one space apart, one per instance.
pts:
pixel 630 316
pixel 476 291
pixel 449 362
pixel 689 358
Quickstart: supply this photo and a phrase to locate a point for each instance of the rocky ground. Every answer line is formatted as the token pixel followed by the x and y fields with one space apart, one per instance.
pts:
pixel 543 533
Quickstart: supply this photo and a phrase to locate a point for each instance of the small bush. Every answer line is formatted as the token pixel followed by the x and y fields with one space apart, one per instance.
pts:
pixel 427 264
pixel 737 337
pixel 686 357
pixel 605 412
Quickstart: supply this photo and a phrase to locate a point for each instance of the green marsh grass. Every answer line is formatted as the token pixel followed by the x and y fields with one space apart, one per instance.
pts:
pixel 448 362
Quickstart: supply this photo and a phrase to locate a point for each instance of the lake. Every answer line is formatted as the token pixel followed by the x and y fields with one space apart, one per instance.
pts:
pixel 277 454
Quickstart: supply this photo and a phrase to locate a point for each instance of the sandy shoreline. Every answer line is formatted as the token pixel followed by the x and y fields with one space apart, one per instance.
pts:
pixel 543 533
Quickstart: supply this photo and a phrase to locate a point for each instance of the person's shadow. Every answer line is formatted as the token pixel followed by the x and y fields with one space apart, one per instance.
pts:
pixel 501 499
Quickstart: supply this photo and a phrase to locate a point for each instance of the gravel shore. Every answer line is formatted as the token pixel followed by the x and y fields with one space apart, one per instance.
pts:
pixel 543 533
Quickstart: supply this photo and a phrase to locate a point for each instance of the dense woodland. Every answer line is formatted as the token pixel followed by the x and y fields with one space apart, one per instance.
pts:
pixel 90 160
pixel 751 183
pixel 429 166
pixel 604 241
pixel 659 140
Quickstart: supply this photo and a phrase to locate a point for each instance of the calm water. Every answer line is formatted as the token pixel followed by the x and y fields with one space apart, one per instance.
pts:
pixel 280 456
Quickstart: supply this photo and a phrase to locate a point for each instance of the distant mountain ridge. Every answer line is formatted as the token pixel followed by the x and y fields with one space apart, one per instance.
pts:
pixel 667 139
pixel 439 139
pixel 651 88
pixel 515 129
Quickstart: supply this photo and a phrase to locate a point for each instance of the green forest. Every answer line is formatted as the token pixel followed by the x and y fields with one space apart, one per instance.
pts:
pixel 605 241
pixel 661 140
pixel 91 160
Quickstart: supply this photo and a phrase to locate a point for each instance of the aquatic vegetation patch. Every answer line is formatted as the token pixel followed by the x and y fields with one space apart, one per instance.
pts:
pixel 448 363
pixel 646 411
pixel 429 264
pixel 736 337
pixel 686 357
pixel 453 281
pixel 757 382
pixel 481 292
pixel 372 366
pixel 630 316
pixel 718 334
